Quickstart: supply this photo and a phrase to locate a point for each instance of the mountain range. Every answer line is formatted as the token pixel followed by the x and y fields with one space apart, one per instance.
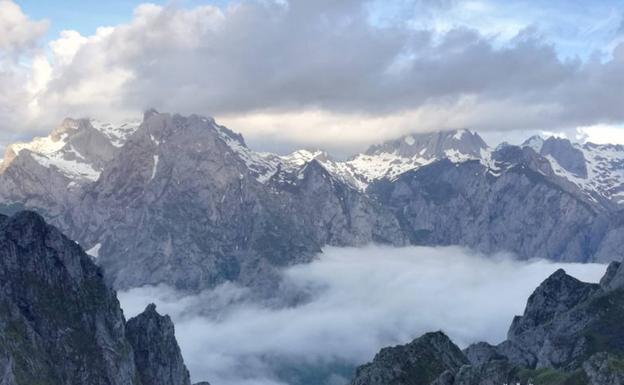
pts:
pixel 184 201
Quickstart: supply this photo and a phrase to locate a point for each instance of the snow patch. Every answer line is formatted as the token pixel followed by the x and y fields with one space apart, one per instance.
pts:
pixel 94 251
pixel 155 167
pixel 459 134
pixel 409 140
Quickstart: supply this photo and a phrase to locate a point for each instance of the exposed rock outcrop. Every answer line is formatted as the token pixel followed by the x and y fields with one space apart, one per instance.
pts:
pixel 182 200
pixel 156 351
pixel 60 323
pixel 570 333
pixel 417 363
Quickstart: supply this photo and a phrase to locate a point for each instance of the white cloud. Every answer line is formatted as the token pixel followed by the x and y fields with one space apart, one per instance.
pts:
pixel 17 32
pixel 351 302
pixel 601 133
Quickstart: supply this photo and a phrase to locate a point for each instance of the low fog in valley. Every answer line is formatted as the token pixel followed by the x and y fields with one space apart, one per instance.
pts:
pixel 337 312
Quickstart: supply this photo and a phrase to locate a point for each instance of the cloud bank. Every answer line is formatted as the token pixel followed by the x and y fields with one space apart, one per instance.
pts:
pixel 337 312
pixel 307 73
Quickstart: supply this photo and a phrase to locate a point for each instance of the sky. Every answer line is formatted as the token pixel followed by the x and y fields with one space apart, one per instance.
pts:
pixel 337 75
pixel 355 301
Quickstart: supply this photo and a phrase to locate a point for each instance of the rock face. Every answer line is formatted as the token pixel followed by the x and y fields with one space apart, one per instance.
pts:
pixel 59 322
pixel 183 201
pixel 417 363
pixel 516 203
pixel 206 216
pixel 570 333
pixel 156 352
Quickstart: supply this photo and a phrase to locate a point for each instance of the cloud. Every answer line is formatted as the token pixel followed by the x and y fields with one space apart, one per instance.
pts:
pixel 19 39
pixel 362 71
pixel 17 32
pixel 337 312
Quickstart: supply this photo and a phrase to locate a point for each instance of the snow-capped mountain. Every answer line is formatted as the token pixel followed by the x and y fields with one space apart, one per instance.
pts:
pixel 78 148
pixel 596 169
pixel 184 201
pixel 393 158
pixel 387 160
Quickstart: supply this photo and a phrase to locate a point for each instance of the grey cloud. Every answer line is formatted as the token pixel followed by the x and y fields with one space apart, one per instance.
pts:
pixel 355 301
pixel 280 59
pixel 262 56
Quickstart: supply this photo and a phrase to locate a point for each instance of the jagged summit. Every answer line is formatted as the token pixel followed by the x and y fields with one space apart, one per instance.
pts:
pixel 61 324
pixel 596 169
pixel 570 333
pixel 432 145
pixel 77 149
pixel 185 180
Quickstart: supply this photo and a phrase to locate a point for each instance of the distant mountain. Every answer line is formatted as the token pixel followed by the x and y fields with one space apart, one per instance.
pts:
pixel 513 202
pixel 61 324
pixel 186 202
pixel 46 172
pixel 596 169
pixel 182 200
pixel 410 152
pixel 570 333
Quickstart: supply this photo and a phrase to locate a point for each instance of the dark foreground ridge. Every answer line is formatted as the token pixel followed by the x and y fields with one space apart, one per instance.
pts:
pixel 571 333
pixel 61 324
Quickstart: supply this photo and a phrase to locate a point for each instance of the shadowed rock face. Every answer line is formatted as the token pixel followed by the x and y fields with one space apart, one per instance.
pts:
pixel 571 333
pixel 60 323
pixel 568 157
pixel 156 352
pixel 417 363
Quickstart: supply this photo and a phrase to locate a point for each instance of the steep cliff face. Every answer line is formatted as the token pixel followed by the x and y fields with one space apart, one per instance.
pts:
pixel 59 322
pixel 570 333
pixel 515 204
pixel 183 201
pixel 156 352
pixel 417 363
pixel 181 205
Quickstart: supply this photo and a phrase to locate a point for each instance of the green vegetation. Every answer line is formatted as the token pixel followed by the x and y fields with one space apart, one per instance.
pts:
pixel 549 376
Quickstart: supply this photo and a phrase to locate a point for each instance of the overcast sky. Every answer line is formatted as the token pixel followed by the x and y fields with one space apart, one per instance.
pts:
pixel 332 74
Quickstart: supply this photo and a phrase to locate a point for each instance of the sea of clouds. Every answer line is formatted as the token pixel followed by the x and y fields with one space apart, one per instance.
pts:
pixel 335 313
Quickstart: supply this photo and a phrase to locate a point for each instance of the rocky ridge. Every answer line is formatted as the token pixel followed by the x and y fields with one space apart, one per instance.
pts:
pixel 570 333
pixel 184 201
pixel 61 324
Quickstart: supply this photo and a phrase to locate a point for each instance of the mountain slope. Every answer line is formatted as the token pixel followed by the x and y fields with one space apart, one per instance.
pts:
pixel 516 204
pixel 597 170
pixel 205 216
pixel 570 333
pixel 184 201
pixel 59 322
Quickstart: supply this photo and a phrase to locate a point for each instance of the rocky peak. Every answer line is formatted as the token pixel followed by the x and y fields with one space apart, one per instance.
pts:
pixel 76 150
pixel 614 277
pixel 417 363
pixel 61 323
pixel 156 351
pixel 433 145
pixel 571 334
pixel 535 142
pixel 557 294
pixel 568 156
pixel 68 127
